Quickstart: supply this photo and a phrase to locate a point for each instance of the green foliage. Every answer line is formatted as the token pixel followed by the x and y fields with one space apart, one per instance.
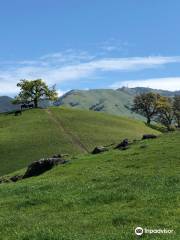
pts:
pixel 176 107
pixel 102 197
pixel 165 112
pixel 34 91
pixel 40 133
pixel 146 104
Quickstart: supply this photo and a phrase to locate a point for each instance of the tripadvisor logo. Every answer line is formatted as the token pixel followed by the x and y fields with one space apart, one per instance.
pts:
pixel 140 231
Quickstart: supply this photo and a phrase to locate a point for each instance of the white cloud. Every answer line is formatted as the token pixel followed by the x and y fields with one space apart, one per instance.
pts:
pixel 68 56
pixel 60 92
pixel 72 65
pixel 169 83
pixel 129 64
pixel 7 88
pixel 113 45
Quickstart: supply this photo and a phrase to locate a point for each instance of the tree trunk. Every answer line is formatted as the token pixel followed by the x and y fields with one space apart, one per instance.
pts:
pixel 178 123
pixel 148 121
pixel 35 103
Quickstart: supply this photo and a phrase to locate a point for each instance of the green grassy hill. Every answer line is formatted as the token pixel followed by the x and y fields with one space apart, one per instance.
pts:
pixel 102 197
pixel 118 102
pixel 100 100
pixel 43 132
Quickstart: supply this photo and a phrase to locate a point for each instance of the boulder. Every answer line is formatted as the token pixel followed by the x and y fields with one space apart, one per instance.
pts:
pixel 16 178
pixel 99 149
pixel 123 145
pixel 148 136
pixel 43 165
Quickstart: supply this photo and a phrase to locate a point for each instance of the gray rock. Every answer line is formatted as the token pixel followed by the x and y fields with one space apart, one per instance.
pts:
pixel 43 165
pixel 123 145
pixel 16 178
pixel 99 149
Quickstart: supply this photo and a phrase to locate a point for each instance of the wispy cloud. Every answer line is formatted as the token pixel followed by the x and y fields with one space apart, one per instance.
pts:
pixel 113 45
pixel 72 65
pixel 168 83
pixel 70 56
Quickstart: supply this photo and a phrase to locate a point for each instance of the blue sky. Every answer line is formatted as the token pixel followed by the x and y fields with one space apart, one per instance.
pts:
pixel 78 44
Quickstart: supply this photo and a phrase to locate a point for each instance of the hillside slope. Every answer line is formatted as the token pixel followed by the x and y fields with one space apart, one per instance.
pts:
pixel 102 197
pixel 118 102
pixel 100 100
pixel 43 132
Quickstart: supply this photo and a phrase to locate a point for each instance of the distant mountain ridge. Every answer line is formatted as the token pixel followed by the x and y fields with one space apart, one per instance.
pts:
pixel 6 104
pixel 139 90
pixel 117 102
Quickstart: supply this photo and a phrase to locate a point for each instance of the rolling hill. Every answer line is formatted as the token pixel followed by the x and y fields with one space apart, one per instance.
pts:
pixel 118 102
pixel 43 132
pixel 100 100
pixel 98 197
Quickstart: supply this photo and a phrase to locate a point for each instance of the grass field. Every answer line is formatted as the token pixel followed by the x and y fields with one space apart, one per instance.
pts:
pixel 41 133
pixel 102 197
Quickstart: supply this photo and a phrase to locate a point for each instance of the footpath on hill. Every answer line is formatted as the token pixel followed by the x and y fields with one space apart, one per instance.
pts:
pixel 72 138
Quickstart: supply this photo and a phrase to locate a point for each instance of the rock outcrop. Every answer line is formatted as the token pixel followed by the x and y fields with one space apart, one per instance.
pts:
pixel 99 149
pixel 123 145
pixel 38 167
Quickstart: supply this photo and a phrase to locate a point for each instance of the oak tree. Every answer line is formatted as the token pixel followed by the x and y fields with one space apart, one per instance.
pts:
pixel 34 91
pixel 146 105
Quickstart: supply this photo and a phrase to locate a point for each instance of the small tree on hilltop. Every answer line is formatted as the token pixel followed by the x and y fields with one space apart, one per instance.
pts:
pixel 146 104
pixel 34 91
pixel 176 107
pixel 165 112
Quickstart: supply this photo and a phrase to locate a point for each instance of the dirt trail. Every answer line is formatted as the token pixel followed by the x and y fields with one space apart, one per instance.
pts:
pixel 72 138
